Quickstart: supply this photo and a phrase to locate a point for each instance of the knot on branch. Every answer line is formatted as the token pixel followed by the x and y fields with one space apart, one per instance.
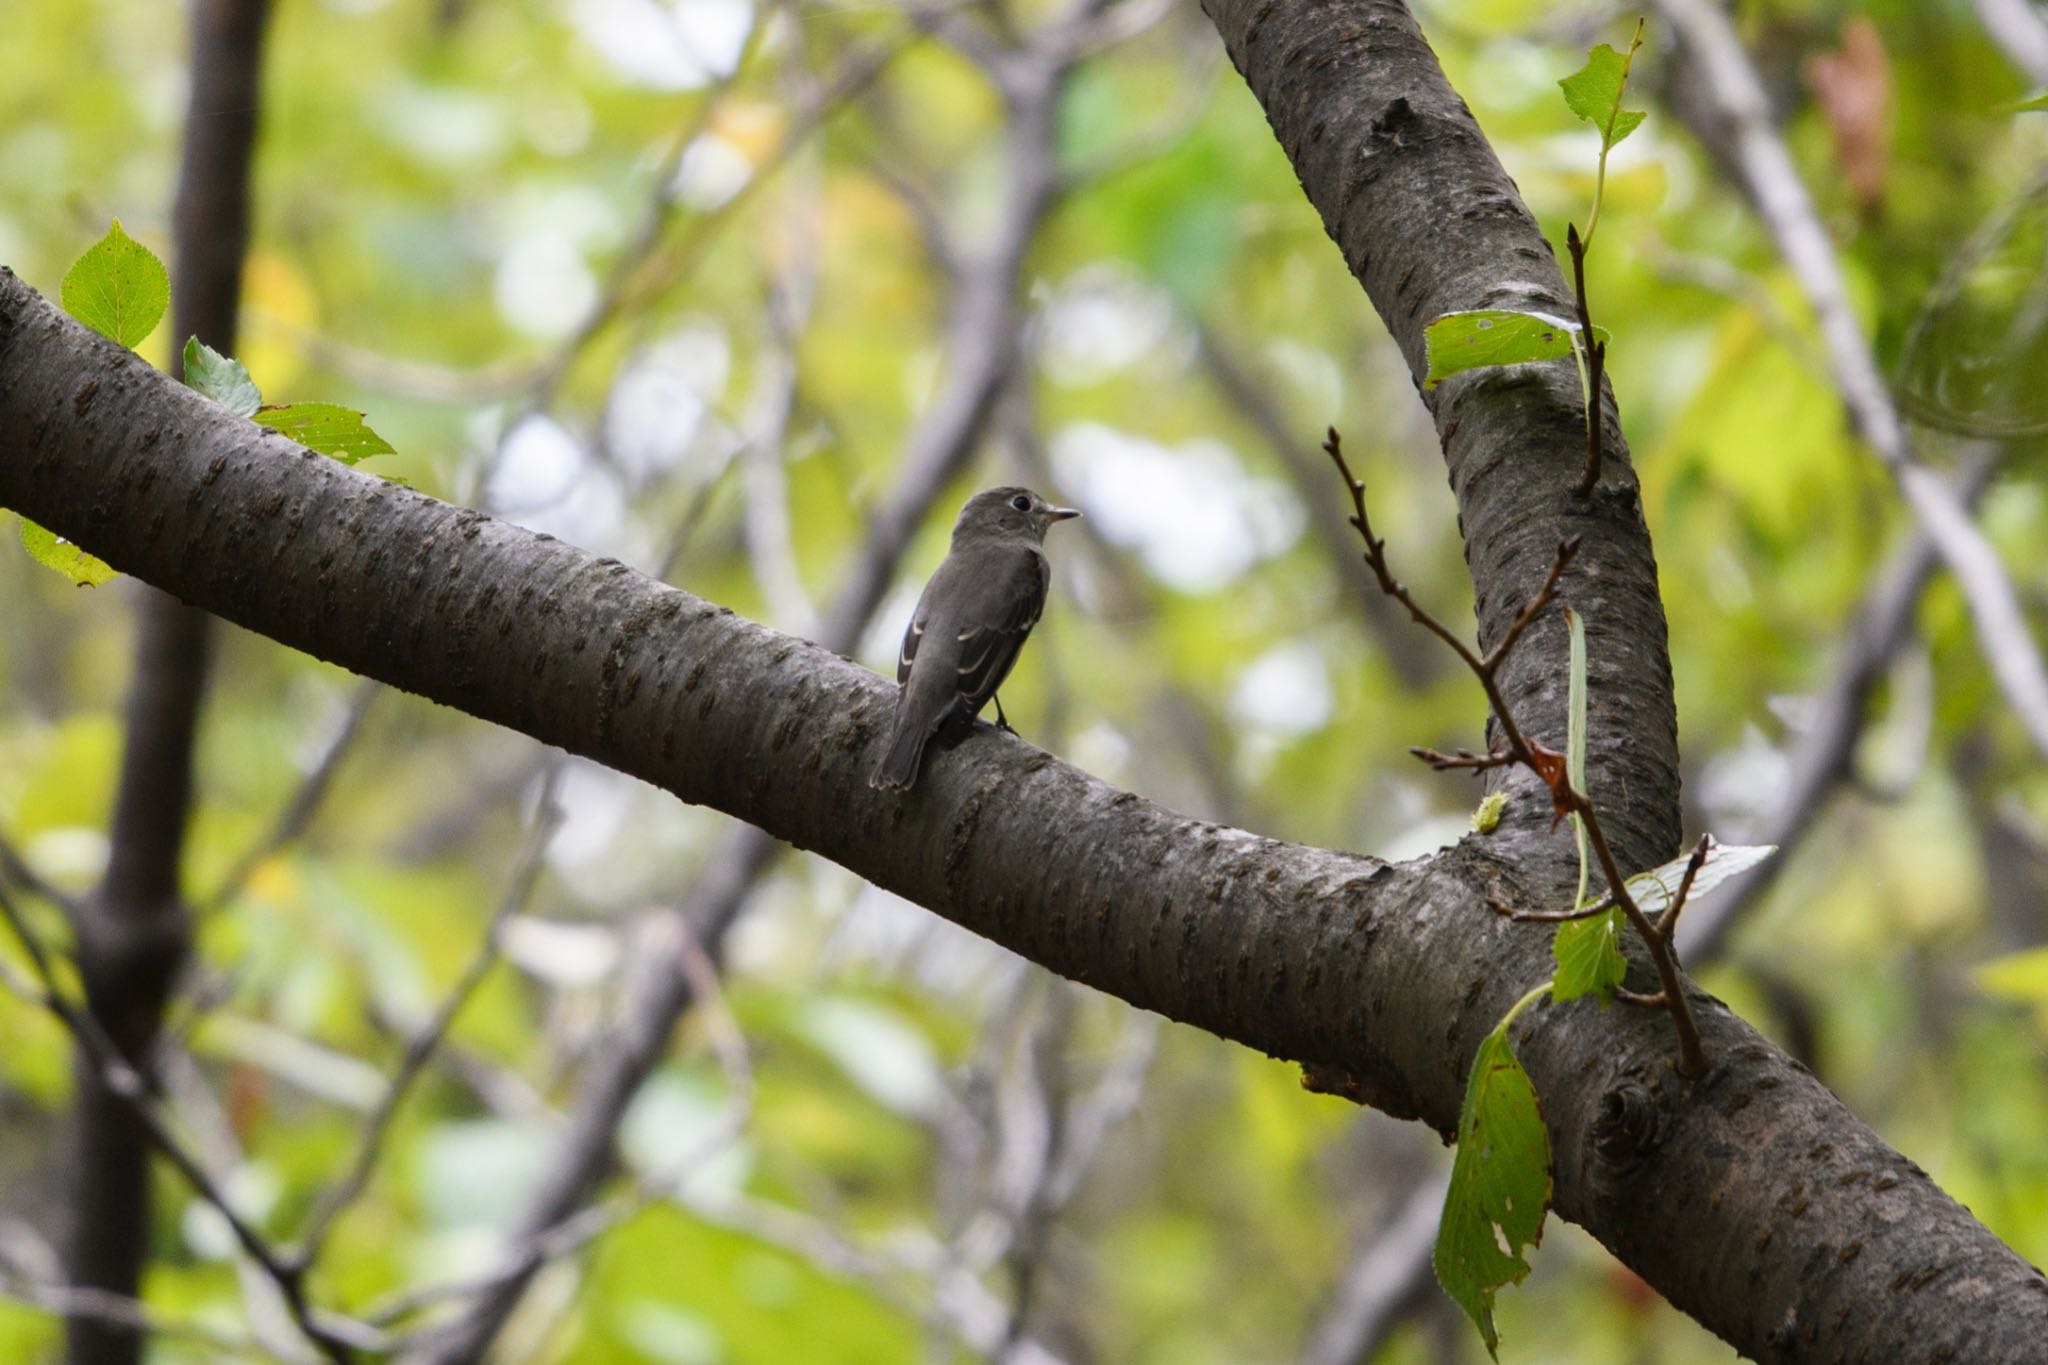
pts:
pixel 1630 1126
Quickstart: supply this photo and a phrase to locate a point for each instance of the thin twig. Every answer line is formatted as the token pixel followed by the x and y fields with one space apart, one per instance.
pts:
pixel 337 1338
pixel 1596 359
pixel 1548 764
pixel 337 1198
pixel 1667 923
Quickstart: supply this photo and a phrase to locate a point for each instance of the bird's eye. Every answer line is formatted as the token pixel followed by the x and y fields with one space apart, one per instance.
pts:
pixel 1021 503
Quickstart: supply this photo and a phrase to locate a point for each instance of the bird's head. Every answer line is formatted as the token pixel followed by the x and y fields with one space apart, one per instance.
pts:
pixel 1004 512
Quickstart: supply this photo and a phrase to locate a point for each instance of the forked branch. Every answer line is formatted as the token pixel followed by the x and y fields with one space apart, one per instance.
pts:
pixel 1515 748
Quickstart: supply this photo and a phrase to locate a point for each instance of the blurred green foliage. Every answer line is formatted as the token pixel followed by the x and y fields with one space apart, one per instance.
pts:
pixel 442 191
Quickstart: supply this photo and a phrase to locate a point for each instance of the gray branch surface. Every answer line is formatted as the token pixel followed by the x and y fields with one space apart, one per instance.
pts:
pixel 1753 1199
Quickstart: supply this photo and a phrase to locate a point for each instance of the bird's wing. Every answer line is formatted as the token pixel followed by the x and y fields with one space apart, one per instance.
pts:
pixel 907 655
pixel 990 646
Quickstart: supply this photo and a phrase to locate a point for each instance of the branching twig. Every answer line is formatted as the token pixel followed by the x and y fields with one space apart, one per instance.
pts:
pixel 420 1049
pixel 1548 764
pixel 1667 923
pixel 336 1338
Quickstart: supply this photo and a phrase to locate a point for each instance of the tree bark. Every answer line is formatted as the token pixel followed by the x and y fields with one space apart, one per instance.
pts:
pixel 1751 1198
pixel 134 933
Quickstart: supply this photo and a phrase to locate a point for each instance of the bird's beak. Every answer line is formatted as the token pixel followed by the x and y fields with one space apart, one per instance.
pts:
pixel 1062 513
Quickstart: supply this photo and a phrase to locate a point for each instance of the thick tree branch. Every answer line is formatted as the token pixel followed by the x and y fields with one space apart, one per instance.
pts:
pixel 1821 1242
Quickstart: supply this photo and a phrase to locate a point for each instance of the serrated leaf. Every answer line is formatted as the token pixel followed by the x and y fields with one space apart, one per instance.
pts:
pixel 1479 337
pixel 1588 953
pixel 1594 91
pixel 48 548
pixel 1500 1185
pixel 221 378
pixel 118 288
pixel 1656 889
pixel 326 427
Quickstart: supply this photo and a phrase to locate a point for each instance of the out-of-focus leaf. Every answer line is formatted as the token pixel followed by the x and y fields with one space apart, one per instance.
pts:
pixel 326 427
pixel 118 288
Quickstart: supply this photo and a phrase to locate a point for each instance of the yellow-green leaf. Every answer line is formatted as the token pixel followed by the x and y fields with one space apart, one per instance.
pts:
pixel 1478 337
pixel 118 288
pixel 326 427
pixel 48 548
pixel 1594 93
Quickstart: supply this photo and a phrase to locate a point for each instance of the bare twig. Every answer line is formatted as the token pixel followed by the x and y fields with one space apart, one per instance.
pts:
pixel 1667 923
pixel 337 1198
pixel 1548 764
pixel 336 1338
pixel 305 801
pixel 1596 358
pixel 119 1310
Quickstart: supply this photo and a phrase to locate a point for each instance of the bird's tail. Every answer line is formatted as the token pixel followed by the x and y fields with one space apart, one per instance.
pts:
pixel 905 753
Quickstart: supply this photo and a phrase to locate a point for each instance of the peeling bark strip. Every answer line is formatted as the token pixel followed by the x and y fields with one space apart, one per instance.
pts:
pixel 1760 1205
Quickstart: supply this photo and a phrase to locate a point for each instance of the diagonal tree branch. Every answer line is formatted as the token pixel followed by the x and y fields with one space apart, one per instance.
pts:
pixel 1392 974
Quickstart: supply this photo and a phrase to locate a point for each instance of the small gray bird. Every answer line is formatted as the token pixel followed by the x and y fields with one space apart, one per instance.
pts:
pixel 970 623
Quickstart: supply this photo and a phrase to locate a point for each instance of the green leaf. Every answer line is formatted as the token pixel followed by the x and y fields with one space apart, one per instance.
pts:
pixel 118 288
pixel 1589 960
pixel 221 378
pixel 1500 1185
pixel 2034 105
pixel 1479 337
pixel 1594 93
pixel 326 427
pixel 1656 889
pixel 48 548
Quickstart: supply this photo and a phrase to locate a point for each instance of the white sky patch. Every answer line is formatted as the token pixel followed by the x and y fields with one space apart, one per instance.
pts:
pixel 1191 511
pixel 543 286
pixel 537 466
pixel 566 953
pixel 878 1049
pixel 680 45
pixel 444 128
pixel 660 402
pixel 1101 319
pixel 712 171
pixel 1285 691
pixel 557 123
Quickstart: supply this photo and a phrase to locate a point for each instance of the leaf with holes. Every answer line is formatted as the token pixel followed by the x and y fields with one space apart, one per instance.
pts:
pixel 1500 1185
pixel 221 378
pixel 48 548
pixel 1481 337
pixel 328 428
pixel 118 288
